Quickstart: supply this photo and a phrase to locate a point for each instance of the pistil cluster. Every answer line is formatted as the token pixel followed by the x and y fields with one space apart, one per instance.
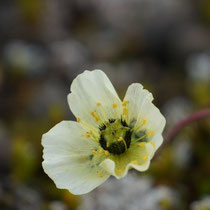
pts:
pixel 115 136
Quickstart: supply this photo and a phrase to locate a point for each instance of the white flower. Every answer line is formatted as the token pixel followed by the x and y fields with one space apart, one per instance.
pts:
pixel 109 137
pixel 203 204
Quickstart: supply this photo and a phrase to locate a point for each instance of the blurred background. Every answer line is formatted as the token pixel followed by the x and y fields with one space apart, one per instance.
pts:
pixel 45 44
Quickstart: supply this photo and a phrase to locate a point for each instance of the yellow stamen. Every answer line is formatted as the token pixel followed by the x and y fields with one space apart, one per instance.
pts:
pixel 144 122
pixel 145 157
pixel 120 139
pixel 152 143
pixel 102 111
pixel 95 116
pixel 88 127
pixel 92 134
pixel 106 152
pixel 125 102
pixel 135 162
pixel 125 111
pixel 78 119
pixel 141 144
pixel 125 114
pixel 150 133
pixel 100 174
pixel 93 131
pixel 94 152
pixel 114 105
pixel 87 135
pixel 124 142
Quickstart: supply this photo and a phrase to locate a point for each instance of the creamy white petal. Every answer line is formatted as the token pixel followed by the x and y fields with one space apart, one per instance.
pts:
pixel 110 166
pixel 157 139
pixel 68 159
pixel 141 108
pixel 151 148
pixel 90 88
pixel 155 121
pixel 136 96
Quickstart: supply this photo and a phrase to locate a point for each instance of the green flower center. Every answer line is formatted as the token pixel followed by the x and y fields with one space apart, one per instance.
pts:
pixel 115 136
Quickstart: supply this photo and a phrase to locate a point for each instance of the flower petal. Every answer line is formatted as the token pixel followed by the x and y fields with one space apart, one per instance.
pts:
pixel 68 159
pixel 137 157
pixel 136 96
pixel 143 113
pixel 155 121
pixel 89 89
pixel 157 139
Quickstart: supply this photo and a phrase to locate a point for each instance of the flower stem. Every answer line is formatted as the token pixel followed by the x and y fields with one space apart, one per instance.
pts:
pixel 183 123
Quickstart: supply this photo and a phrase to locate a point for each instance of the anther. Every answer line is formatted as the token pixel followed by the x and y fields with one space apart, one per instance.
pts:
pixel 106 152
pixel 124 142
pixel 150 133
pixel 94 152
pixel 152 143
pixel 145 157
pixel 144 122
pixel 82 134
pixel 95 116
pixel 125 102
pixel 102 111
pixel 125 111
pixel 114 105
pixel 87 135
pixel 78 119
pixel 100 175
pixel 120 139
pixel 141 144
